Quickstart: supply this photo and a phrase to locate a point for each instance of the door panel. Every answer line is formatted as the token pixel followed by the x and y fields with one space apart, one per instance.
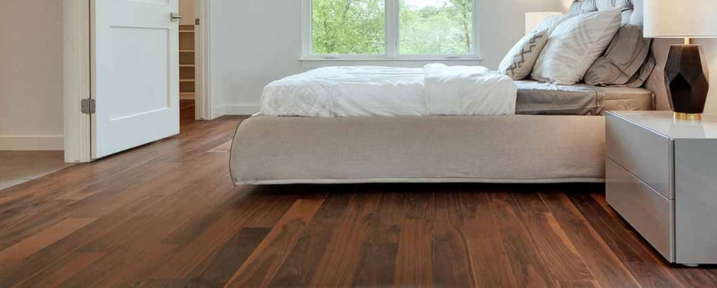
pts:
pixel 135 73
pixel 127 98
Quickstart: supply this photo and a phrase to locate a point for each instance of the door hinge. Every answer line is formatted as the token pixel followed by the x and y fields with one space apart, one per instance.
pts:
pixel 88 106
pixel 196 21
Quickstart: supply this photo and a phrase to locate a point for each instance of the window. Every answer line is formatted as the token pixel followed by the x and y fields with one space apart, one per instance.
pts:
pixel 348 27
pixel 389 29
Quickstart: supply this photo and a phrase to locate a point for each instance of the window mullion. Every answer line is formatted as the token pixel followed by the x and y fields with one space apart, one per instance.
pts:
pixel 392 23
pixel 307 33
pixel 476 32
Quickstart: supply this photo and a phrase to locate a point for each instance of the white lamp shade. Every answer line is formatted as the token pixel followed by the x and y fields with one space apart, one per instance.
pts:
pixel 533 19
pixel 680 19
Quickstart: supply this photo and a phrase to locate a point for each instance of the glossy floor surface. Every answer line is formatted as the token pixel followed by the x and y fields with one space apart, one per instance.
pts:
pixel 21 166
pixel 167 215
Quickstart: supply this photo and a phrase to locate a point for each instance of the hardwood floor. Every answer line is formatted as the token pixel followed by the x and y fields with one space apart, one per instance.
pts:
pixel 21 166
pixel 167 215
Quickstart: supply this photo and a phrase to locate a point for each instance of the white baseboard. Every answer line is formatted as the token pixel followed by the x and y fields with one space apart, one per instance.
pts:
pixel 236 109
pixel 32 143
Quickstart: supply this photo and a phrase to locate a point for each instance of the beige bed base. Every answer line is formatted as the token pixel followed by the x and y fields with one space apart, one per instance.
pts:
pixel 496 149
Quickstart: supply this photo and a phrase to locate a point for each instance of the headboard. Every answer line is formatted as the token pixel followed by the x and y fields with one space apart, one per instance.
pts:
pixel 631 9
pixel 632 13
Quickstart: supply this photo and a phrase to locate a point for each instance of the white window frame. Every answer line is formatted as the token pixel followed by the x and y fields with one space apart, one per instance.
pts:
pixel 392 40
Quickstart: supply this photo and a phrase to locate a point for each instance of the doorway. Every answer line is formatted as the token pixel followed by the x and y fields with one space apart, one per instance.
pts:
pixel 82 68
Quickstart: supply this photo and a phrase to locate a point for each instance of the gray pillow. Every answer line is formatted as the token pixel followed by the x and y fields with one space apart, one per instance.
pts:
pixel 624 60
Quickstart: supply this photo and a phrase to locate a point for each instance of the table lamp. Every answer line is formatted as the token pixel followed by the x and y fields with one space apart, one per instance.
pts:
pixel 686 75
pixel 533 19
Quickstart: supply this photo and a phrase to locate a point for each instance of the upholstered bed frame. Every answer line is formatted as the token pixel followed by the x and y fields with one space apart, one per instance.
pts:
pixel 499 149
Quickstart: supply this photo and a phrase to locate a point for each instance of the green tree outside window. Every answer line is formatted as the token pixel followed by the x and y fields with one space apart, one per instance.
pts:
pixel 426 27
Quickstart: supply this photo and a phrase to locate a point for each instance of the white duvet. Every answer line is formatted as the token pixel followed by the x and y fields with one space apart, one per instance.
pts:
pixel 435 89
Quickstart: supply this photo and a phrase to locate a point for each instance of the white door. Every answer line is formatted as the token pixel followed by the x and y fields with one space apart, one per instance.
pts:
pixel 135 73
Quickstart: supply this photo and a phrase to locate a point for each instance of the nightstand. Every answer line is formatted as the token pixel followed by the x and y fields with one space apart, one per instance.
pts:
pixel 662 178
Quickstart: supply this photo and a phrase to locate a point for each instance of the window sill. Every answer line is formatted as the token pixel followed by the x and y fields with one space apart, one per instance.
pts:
pixel 378 59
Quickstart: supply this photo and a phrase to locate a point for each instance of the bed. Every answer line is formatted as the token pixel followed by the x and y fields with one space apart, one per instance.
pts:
pixel 556 136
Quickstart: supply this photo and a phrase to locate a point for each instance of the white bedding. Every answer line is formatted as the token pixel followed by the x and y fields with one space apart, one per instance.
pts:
pixel 434 90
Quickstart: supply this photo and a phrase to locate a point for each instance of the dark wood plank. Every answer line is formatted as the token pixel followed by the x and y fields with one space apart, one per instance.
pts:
pixel 339 264
pixel 229 258
pixel 650 275
pixel 711 270
pixel 32 201
pixel 43 239
pixel 490 264
pixel 419 205
pixel 68 267
pixel 378 251
pixel 561 257
pixel 596 254
pixel 414 260
pixel 37 215
pixel 164 283
pixel 138 262
pixel 299 267
pixel 451 261
pixel 275 208
pixel 193 256
pixel 645 273
pixel 48 258
pixel 172 213
pixel 261 266
pixel 529 269
pixel 602 200
pixel 530 202
pixel 577 284
pixel 19 227
pixel 622 243
pixel 21 166
pixel 693 277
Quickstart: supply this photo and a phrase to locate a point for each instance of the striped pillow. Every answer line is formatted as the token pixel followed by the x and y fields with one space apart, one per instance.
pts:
pixel 575 45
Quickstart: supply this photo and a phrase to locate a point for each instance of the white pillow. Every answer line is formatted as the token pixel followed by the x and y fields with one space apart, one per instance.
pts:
pixel 520 60
pixel 552 22
pixel 575 45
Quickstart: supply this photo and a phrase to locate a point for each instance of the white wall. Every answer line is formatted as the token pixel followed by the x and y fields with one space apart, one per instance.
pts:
pixel 710 46
pixel 564 5
pixel 31 106
pixel 256 42
pixel 711 51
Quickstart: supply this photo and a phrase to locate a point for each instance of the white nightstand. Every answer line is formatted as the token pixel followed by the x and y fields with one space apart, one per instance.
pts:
pixel 662 178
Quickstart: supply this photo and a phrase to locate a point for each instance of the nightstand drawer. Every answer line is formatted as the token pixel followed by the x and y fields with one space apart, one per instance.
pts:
pixel 646 154
pixel 646 210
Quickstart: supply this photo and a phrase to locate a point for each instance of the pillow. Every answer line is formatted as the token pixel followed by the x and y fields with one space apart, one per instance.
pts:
pixel 644 74
pixel 552 22
pixel 623 59
pixel 575 45
pixel 518 63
